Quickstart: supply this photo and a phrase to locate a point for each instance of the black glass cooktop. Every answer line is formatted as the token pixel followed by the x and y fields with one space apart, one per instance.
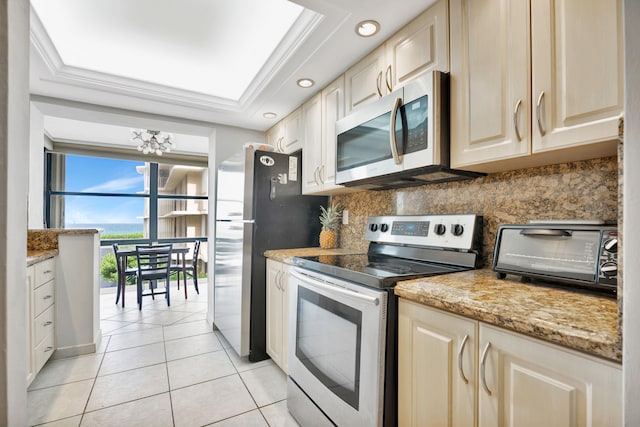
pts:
pixel 379 271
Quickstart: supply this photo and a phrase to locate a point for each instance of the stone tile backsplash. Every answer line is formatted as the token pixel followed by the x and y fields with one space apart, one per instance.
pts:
pixel 576 190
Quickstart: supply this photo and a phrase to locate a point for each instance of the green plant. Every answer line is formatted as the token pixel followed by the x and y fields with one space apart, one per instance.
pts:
pixel 109 269
pixel 329 217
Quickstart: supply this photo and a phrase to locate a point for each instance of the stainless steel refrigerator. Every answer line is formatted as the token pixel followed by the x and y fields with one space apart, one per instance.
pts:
pixel 259 206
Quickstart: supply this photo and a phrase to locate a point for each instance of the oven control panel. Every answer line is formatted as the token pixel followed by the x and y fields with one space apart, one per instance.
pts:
pixel 463 232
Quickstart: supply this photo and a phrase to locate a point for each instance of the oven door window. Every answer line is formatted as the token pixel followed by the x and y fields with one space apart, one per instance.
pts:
pixel 328 343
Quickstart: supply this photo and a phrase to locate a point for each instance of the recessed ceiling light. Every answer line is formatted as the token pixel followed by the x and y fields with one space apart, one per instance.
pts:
pixel 305 82
pixel 269 115
pixel 367 28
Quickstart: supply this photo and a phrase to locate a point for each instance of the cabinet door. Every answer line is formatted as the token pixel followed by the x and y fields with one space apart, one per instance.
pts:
pixel 312 148
pixel 533 383
pixel 284 287
pixel 31 277
pixel 274 311
pixel 421 46
pixel 332 110
pixel 364 82
pixel 436 372
pixel 490 81
pixel 293 131
pixel 577 72
pixel 275 137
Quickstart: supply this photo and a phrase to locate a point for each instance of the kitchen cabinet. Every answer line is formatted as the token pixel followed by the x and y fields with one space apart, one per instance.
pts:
pixel 286 135
pixel 421 46
pixel 526 86
pixel 277 312
pixel 319 148
pixel 437 355
pixel 41 319
pixel 515 379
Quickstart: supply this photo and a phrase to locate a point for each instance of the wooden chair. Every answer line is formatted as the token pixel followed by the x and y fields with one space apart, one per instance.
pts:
pixel 122 275
pixel 191 270
pixel 154 263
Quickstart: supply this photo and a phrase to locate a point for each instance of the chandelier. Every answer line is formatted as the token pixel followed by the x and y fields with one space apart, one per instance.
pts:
pixel 152 141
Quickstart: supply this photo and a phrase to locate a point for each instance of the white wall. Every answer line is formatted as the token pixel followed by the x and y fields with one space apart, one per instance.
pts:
pixel 14 170
pixel 631 213
pixel 36 169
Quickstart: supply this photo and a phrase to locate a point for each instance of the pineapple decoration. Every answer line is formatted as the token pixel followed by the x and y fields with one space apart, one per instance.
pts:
pixel 329 218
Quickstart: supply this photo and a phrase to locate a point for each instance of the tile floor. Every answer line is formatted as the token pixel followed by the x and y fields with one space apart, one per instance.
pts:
pixel 162 366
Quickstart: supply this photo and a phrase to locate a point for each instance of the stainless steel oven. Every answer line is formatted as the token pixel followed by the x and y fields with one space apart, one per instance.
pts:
pixel 343 312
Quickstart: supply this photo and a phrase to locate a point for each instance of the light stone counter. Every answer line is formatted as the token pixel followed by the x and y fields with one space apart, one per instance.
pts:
pixel 286 255
pixel 578 320
pixel 35 256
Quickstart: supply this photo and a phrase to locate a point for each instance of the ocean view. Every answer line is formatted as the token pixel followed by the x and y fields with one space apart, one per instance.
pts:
pixel 127 228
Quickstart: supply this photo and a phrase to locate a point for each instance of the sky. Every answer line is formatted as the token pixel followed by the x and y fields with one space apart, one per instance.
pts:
pixel 93 174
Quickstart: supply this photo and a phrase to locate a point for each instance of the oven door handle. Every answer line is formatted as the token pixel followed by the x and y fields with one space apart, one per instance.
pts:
pixel 336 289
pixel 545 232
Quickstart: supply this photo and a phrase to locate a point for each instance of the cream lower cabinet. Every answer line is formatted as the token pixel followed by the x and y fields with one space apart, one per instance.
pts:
pixel 518 381
pixel 41 320
pixel 277 312
pixel 534 82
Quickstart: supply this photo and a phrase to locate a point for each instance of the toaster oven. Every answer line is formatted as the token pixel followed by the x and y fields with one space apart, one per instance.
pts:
pixel 577 255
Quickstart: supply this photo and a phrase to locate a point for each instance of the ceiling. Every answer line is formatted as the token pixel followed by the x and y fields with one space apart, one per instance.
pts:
pixel 206 61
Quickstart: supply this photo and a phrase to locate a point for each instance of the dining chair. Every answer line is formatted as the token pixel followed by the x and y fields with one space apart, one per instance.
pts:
pixel 122 275
pixel 154 263
pixel 191 270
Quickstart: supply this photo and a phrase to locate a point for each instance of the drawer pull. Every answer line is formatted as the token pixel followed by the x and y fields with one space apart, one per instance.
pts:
pixel 47 323
pixel 48 349
pixel 483 360
pixel 47 297
pixel 47 272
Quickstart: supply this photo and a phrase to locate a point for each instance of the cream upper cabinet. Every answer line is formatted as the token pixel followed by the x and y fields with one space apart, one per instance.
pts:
pixel 460 372
pixel 277 306
pixel 420 46
pixel 534 82
pixel 286 135
pixel 312 150
pixel 275 137
pixel 577 72
pixel 490 80
pixel 332 111
pixel 527 382
pixel 436 367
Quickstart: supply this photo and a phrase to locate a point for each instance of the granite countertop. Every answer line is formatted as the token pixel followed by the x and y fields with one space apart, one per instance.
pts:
pixel 34 257
pixel 286 255
pixel 578 320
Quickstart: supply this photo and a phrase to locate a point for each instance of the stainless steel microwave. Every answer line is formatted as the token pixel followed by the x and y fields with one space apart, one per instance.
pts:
pixel 400 140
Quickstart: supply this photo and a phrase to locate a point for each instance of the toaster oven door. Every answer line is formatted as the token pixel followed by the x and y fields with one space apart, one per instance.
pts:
pixel 549 253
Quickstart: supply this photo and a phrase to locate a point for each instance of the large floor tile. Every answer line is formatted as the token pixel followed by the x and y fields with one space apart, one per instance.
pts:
pixel 277 415
pixel 243 364
pixel 267 385
pixel 132 358
pixel 134 339
pixel 182 330
pixel 133 327
pixel 151 411
pixel 55 403
pixel 68 370
pixel 209 402
pixel 192 346
pixel 127 386
pixel 108 326
pixel 249 419
pixel 196 369
pixel 192 318
pixel 66 422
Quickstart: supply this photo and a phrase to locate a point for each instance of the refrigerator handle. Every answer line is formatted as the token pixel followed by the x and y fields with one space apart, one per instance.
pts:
pixel 272 192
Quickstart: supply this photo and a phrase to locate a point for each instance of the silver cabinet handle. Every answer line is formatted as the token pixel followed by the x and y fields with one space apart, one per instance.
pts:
pixel 392 132
pixel 483 359
pixel 515 119
pixel 47 272
pixel 379 83
pixel 460 352
pixel 387 78
pixel 282 144
pixel 48 349
pixel 316 175
pixel 47 297
pixel 277 280
pixel 321 173
pixel 539 114
pixel 47 323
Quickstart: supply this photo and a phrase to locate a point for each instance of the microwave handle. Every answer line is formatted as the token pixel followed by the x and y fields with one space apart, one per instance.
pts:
pixel 392 132
pixel 545 232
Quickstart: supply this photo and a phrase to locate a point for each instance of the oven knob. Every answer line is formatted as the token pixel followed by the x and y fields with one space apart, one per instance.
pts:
pixel 609 269
pixel 373 227
pixel 457 230
pixel 384 228
pixel 611 245
pixel 440 229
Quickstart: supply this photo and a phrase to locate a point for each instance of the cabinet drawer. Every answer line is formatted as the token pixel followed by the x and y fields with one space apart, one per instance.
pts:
pixel 43 351
pixel 43 297
pixel 45 271
pixel 44 324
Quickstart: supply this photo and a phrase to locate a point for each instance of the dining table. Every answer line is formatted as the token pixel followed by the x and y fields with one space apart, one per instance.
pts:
pixel 125 253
